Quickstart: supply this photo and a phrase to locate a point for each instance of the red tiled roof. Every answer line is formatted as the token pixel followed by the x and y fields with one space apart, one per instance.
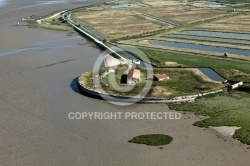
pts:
pixel 160 76
pixel 134 73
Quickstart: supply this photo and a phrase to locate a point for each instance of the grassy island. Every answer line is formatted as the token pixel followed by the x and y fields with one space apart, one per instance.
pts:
pixel 181 82
pixel 152 139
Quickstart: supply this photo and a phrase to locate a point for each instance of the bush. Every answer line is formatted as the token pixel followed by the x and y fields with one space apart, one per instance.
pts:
pixel 152 139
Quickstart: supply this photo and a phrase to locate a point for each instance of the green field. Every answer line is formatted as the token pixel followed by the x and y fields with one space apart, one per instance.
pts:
pixel 55 27
pixel 227 109
pixel 226 67
pixel 56 23
pixel 183 82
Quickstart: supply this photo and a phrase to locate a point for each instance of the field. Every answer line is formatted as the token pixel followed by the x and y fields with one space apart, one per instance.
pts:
pixel 228 109
pixel 220 24
pixel 182 12
pixel 117 23
pixel 126 18
pixel 182 82
pixel 226 67
pixel 234 24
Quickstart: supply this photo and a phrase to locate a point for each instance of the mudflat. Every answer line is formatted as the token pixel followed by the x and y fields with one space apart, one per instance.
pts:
pixel 38 71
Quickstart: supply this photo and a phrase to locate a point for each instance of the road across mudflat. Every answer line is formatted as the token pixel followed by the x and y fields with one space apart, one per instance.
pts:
pixel 38 91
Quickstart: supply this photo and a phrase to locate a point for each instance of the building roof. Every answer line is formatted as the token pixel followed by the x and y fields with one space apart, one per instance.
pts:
pixel 134 73
pixel 161 76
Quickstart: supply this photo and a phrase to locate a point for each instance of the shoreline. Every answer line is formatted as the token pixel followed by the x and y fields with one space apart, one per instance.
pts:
pixel 38 90
pixel 119 98
pixel 106 96
pixel 226 131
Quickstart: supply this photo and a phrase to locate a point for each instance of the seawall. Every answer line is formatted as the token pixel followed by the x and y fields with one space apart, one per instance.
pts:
pixel 101 95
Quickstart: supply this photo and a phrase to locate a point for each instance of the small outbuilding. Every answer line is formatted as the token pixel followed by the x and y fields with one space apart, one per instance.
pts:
pixel 235 85
pixel 160 77
pixel 134 76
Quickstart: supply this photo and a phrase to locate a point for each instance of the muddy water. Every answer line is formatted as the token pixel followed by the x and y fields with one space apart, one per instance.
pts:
pixel 38 91
pixel 19 50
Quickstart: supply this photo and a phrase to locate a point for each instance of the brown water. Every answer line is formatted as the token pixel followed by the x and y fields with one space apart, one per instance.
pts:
pixel 38 91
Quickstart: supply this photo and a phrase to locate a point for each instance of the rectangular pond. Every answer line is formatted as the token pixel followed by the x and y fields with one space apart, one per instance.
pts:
pixel 211 38
pixel 118 6
pixel 216 33
pixel 213 75
pixel 201 47
pixel 215 5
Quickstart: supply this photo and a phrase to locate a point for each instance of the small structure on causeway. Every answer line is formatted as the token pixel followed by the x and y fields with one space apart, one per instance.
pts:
pixel 134 76
pixel 160 77
pixel 234 85
pixel 110 61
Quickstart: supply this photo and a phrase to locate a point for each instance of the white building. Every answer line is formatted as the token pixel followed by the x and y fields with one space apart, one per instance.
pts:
pixel 134 76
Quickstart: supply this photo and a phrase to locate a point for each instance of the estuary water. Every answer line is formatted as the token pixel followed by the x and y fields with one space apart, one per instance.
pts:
pixel 38 92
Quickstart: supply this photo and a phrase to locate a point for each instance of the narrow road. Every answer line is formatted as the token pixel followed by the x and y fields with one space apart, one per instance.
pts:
pixel 87 33
pixel 160 19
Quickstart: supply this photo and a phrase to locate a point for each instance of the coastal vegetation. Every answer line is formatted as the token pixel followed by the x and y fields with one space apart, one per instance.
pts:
pixel 152 139
pixel 53 23
pixel 225 109
pixel 225 66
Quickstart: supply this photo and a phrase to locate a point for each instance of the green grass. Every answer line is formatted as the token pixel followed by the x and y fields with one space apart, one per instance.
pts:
pixel 152 139
pixel 52 24
pixel 55 27
pixel 227 109
pixel 32 24
pixel 222 65
pixel 182 82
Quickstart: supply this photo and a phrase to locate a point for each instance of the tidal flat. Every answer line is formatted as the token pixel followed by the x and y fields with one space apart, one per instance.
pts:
pixel 38 91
